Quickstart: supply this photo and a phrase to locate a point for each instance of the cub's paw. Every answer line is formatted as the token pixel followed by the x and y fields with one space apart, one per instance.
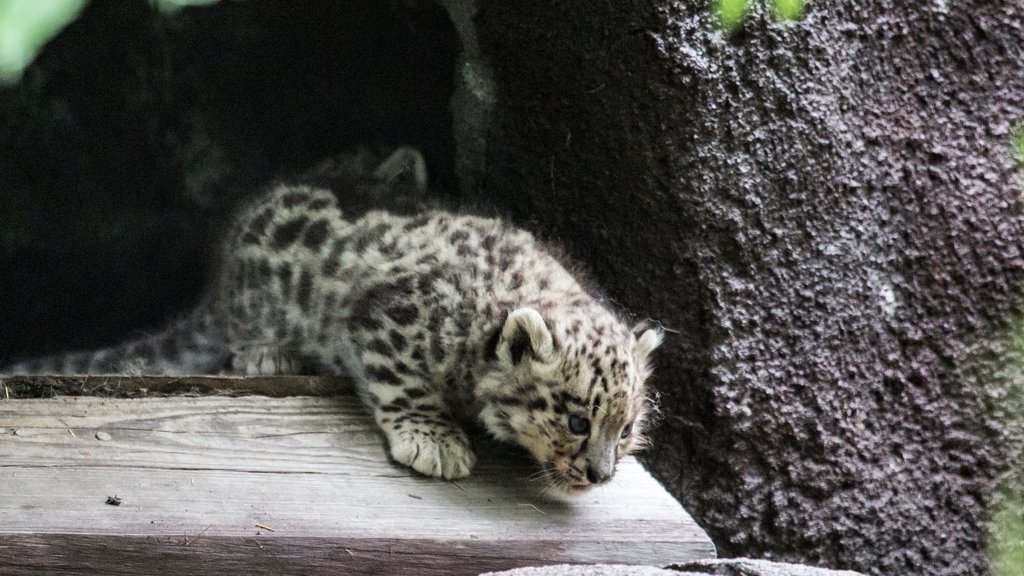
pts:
pixel 264 361
pixel 443 452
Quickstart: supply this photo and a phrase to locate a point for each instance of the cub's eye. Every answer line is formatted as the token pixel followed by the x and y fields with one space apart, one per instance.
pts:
pixel 579 425
pixel 627 430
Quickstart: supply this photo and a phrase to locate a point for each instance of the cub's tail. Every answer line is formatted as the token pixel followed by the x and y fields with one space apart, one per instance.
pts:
pixel 194 344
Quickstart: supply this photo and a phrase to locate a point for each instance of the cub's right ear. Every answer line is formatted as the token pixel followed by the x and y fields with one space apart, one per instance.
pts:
pixel 524 333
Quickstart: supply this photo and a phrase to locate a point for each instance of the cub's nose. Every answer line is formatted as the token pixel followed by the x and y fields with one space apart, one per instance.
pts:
pixel 596 475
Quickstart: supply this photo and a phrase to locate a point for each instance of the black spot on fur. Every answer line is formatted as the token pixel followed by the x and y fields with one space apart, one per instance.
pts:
pixel 400 402
pixel 284 274
pixel 365 322
pixel 415 393
pixel 382 374
pixel 458 236
pixel 264 270
pixel 416 222
pixel 259 224
pixel 294 198
pixel 436 349
pixel 510 401
pixel 304 290
pixel 397 340
pixel 371 236
pixel 285 234
pixel 316 234
pixel 250 238
pixel 331 263
pixel 319 204
pixel 403 314
pixel 537 404
pixel 379 346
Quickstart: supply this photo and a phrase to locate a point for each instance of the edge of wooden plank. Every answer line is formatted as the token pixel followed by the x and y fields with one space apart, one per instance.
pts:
pixel 74 554
pixel 123 386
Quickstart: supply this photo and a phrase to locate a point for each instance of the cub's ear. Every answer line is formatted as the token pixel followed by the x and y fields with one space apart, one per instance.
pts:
pixel 404 163
pixel 523 333
pixel 648 337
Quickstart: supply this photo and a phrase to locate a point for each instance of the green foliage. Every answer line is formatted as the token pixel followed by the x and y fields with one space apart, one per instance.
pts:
pixel 27 25
pixel 731 13
pixel 789 9
pixel 171 6
pixel 1017 143
pixel 1006 534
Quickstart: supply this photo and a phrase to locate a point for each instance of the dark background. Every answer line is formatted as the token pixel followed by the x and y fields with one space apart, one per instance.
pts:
pixel 134 134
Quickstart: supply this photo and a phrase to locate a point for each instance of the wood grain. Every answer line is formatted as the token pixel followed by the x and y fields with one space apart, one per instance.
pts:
pixel 122 386
pixel 196 474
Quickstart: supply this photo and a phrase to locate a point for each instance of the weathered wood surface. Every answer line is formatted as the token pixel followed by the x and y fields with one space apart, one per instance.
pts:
pixel 122 386
pixel 197 474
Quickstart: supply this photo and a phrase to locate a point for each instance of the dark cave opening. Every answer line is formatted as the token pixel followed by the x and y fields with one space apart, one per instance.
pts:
pixel 135 133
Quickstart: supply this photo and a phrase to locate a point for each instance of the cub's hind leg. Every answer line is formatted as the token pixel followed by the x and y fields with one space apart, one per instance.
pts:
pixel 265 360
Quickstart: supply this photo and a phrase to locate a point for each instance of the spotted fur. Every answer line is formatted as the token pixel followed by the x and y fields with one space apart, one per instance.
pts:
pixel 439 317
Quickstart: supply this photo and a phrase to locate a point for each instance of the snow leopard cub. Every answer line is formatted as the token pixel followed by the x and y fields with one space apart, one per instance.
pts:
pixel 439 318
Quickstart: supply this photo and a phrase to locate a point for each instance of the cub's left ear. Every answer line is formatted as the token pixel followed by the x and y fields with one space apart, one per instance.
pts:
pixel 648 338
pixel 524 334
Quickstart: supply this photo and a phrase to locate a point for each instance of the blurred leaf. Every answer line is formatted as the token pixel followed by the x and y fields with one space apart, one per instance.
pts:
pixel 731 13
pixel 789 9
pixel 171 6
pixel 1006 534
pixel 27 25
pixel 1017 143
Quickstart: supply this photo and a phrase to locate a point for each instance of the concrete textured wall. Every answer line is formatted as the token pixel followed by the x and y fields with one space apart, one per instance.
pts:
pixel 826 217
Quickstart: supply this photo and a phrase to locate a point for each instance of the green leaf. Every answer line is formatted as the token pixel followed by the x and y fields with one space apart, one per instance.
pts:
pixel 789 9
pixel 1006 534
pixel 26 26
pixel 731 13
pixel 1017 143
pixel 172 6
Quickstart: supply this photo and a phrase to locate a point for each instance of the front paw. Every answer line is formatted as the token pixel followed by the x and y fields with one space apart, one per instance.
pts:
pixel 435 452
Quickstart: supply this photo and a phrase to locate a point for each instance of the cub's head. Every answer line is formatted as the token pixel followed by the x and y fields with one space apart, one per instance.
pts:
pixel 571 390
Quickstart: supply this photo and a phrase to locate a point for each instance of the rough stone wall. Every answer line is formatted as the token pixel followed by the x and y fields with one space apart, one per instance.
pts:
pixel 825 216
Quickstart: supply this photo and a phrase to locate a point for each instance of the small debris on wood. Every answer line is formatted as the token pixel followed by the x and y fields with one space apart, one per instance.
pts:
pixel 7 393
pixel 416 496
pixel 114 500
pixel 457 485
pixel 102 436
pixel 198 536
pixel 534 507
pixel 265 527
pixel 72 432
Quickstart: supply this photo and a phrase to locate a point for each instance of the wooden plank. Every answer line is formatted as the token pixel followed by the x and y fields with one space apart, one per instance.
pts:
pixel 121 386
pixel 197 474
